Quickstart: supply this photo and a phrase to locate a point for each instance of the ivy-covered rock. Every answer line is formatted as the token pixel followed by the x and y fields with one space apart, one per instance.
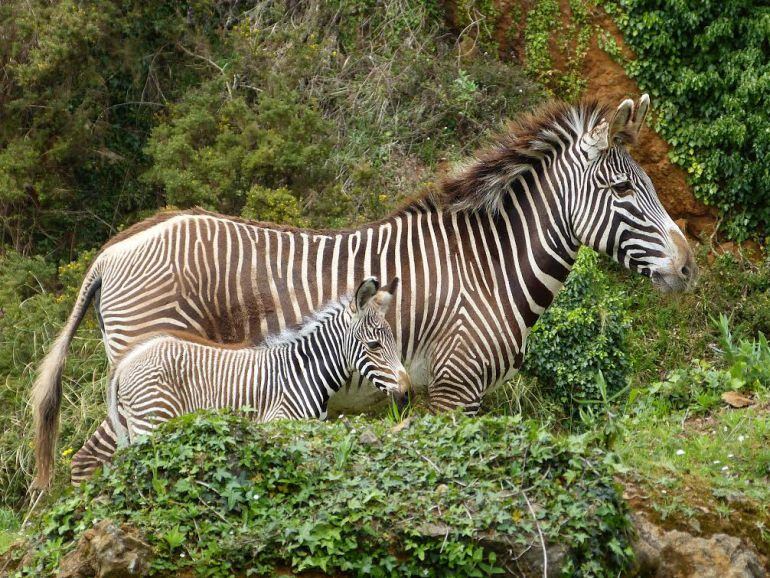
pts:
pixel 444 496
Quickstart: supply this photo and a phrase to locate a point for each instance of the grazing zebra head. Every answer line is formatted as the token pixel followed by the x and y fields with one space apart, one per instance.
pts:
pixel 617 210
pixel 369 343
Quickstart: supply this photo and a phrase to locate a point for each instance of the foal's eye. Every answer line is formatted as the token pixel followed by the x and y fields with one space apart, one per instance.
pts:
pixel 623 188
pixel 373 345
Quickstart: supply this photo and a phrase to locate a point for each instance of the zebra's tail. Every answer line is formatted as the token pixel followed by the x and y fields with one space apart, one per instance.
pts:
pixel 47 391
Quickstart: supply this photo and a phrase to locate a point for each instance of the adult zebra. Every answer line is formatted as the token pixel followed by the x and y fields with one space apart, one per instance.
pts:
pixel 479 261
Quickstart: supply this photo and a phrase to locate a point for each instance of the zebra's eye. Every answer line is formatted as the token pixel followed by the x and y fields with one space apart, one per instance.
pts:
pixel 373 345
pixel 623 188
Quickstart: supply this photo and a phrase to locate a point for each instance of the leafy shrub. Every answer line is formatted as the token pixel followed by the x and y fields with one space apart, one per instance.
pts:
pixel 213 150
pixel 706 66
pixel 82 83
pixel 581 334
pixel 430 501
pixel 274 205
pixel 114 108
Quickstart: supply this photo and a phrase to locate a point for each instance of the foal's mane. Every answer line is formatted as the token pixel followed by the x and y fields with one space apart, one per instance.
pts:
pixel 308 324
pixel 479 183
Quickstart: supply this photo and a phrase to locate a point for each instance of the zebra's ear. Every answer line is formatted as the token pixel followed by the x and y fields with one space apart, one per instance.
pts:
pixel 618 125
pixel 366 291
pixel 618 129
pixel 393 286
pixel 640 112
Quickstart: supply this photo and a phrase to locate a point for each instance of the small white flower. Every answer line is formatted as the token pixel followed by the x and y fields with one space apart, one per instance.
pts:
pixel 724 428
pixel 731 456
pixel 680 452
pixel 255 497
pixel 741 438
pixel 725 468
pixel 717 462
pixel 181 555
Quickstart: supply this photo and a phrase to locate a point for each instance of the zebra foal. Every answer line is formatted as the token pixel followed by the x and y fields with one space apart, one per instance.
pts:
pixel 291 376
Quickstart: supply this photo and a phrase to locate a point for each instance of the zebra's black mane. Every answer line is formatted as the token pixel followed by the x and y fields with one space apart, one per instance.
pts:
pixel 481 182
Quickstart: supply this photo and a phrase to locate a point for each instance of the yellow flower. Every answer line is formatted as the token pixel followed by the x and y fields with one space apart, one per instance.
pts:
pixel 67 452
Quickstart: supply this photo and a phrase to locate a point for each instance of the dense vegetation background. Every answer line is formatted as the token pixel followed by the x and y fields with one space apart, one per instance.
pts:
pixel 329 113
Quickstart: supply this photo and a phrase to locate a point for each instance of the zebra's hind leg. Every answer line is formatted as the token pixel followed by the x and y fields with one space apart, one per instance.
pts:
pixel 97 451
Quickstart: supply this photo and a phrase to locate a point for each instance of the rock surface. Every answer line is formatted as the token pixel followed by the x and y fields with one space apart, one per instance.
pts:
pixel 675 554
pixel 108 551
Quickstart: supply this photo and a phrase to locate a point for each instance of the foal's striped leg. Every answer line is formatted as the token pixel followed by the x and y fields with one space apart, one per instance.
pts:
pixel 97 451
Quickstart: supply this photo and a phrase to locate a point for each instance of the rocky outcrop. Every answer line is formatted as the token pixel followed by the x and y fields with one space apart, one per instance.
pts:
pixel 108 551
pixel 676 554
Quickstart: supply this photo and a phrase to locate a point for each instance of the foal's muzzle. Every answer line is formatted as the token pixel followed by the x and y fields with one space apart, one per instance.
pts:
pixel 402 395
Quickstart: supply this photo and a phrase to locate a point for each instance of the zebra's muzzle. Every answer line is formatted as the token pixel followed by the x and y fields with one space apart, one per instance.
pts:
pixel 403 395
pixel 673 282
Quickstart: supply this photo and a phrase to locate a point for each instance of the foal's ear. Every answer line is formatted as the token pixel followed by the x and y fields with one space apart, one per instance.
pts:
pixel 385 296
pixel 393 286
pixel 366 291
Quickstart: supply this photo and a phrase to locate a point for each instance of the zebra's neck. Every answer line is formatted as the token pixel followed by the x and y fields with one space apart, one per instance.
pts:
pixel 312 355
pixel 516 258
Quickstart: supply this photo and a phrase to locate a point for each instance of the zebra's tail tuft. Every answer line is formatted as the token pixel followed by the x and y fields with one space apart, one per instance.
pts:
pixel 47 391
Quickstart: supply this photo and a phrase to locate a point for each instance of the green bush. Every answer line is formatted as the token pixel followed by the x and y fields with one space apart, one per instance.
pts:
pixel 274 205
pixel 435 499
pixel 115 108
pixel 82 83
pixel 581 334
pixel 213 149
pixel 706 67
